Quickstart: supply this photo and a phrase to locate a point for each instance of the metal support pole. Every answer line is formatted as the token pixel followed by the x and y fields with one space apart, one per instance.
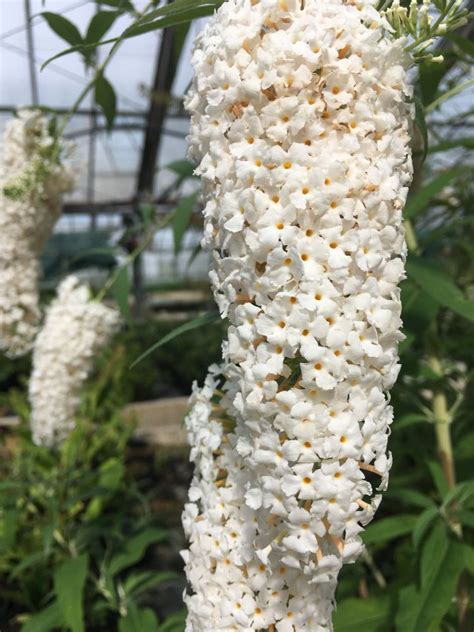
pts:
pixel 91 167
pixel 164 75
pixel 31 54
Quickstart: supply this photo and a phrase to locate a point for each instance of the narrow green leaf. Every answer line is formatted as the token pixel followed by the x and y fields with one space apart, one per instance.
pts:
pixel 439 286
pixel 176 13
pixel 442 562
pixel 63 27
pixel 430 76
pixel 134 549
pixel 410 497
pixel 466 518
pixel 200 321
pixel 136 583
pixel 181 218
pixel 438 477
pixel 121 291
pixel 463 43
pixel 46 620
pixel 409 420
pixel 69 583
pixel 362 615
pixel 123 5
pixel 422 524
pixel 421 125
pixel 420 200
pixel 105 97
pixel 467 143
pixel 138 620
pixel 462 494
pixel 449 94
pixel 468 555
pixel 182 168
pixel 100 23
pixel 9 525
pixel 174 623
pixel 389 528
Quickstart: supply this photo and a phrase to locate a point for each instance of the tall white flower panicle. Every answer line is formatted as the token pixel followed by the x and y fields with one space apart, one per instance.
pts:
pixel 76 329
pixel 301 123
pixel 33 180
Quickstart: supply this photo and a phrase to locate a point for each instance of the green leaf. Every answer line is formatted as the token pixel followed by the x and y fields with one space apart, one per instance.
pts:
pixel 123 5
pixel 173 14
pixel 105 97
pixel 181 218
pixel 100 23
pixel 421 125
pixel 389 528
pixel 449 94
pixel 438 477
pixel 423 608
pixel 46 620
pixel 466 518
pixel 134 549
pixel 462 494
pixel 177 12
pixel 420 200
pixel 410 497
pixel 200 321
pixel 409 420
pixel 362 615
pixel 468 554
pixel 9 525
pixel 422 524
pixel 69 583
pixel 439 286
pixel 136 583
pixel 182 168
pixel 63 27
pixel 430 77
pixel 121 290
pixel 138 620
pixel 467 143
pixel 174 623
pixel 463 43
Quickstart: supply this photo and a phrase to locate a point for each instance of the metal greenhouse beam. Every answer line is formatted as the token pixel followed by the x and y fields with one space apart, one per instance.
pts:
pixel 31 54
pixel 165 71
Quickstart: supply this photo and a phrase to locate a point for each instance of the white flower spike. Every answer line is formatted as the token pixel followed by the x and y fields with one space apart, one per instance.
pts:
pixel 76 329
pixel 33 180
pixel 301 124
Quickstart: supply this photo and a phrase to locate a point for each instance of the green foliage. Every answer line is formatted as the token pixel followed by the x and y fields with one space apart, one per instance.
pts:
pixel 199 321
pixel 68 550
pixel 106 99
pixel 182 216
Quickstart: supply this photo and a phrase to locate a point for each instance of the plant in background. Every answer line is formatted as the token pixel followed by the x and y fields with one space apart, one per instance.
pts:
pixel 300 121
pixel 75 331
pixel 69 553
pixel 33 182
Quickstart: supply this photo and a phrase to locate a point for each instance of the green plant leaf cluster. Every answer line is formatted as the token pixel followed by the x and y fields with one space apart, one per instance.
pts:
pixel 74 528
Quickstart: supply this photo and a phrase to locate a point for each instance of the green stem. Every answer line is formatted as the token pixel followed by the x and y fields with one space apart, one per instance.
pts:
pixel 132 256
pixel 442 418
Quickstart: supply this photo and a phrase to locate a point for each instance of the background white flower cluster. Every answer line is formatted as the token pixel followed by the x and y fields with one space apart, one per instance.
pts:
pixel 301 124
pixel 76 329
pixel 33 180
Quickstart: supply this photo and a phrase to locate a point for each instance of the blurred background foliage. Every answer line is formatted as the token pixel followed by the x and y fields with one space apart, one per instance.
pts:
pixel 89 534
